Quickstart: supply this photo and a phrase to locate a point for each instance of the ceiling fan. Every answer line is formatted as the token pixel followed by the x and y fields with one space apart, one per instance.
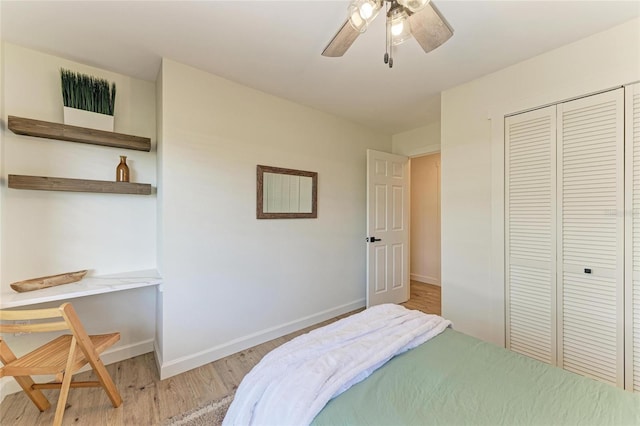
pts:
pixel 405 18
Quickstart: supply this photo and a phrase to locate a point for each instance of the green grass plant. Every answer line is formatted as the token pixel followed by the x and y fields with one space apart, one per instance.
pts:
pixel 89 93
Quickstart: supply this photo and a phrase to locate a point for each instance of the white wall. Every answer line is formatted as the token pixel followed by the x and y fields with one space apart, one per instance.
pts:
pixel 473 163
pixel 160 217
pixel 51 232
pixel 420 141
pixel 232 281
pixel 425 219
pixel 45 233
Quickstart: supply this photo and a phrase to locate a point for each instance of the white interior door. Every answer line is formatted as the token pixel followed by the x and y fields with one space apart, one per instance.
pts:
pixel 388 228
pixel 591 236
pixel 530 228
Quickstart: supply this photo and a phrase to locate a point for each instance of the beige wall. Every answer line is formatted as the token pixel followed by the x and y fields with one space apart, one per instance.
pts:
pixel 53 232
pixel 419 141
pixel 230 280
pixel 473 163
pixel 425 219
pixel 44 233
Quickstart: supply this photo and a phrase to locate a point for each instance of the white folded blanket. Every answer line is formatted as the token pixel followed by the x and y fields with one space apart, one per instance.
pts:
pixel 292 383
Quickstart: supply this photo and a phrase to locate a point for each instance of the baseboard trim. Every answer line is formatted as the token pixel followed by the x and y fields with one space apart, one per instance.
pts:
pixel 186 363
pixel 158 356
pixel 425 279
pixel 9 386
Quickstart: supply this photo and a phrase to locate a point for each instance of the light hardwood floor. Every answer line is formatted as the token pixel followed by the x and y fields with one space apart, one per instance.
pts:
pixel 150 401
pixel 425 298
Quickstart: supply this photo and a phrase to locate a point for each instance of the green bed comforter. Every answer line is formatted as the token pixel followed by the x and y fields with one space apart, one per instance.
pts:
pixel 454 379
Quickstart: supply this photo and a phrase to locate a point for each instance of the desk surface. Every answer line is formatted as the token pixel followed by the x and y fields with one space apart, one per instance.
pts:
pixel 88 286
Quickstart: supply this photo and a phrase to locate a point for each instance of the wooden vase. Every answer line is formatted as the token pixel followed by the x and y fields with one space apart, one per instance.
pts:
pixel 122 171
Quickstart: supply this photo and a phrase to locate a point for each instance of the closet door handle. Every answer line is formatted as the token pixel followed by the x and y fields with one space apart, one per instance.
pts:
pixel 587 270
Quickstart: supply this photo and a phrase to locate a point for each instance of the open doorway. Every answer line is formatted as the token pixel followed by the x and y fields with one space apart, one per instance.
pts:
pixel 425 235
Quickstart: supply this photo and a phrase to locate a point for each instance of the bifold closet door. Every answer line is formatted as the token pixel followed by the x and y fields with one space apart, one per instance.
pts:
pixel 530 220
pixel 632 246
pixel 590 142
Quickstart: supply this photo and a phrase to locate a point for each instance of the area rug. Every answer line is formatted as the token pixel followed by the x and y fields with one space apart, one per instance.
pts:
pixel 210 414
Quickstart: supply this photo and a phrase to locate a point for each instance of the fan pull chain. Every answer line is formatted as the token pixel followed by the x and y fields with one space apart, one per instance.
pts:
pixel 388 54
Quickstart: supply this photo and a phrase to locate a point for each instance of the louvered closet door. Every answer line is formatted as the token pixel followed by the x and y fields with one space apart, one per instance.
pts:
pixel 530 216
pixel 632 248
pixel 591 231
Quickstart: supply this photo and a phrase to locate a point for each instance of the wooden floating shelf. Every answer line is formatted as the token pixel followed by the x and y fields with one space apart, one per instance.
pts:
pixel 44 183
pixel 46 129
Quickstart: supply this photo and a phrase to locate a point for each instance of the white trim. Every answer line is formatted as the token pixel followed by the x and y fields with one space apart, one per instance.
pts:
pixel 597 92
pixel 620 273
pixel 629 240
pixel 9 386
pixel 426 279
pixel 559 229
pixel 497 214
pixel 158 356
pixel 422 151
pixel 180 365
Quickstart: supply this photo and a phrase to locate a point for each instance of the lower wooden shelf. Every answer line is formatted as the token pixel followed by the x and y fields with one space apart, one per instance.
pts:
pixel 44 183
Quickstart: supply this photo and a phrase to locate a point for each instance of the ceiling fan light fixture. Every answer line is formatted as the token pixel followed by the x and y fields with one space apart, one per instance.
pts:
pixel 366 10
pixel 397 27
pixel 400 28
pixel 362 12
pixel 414 5
pixel 404 19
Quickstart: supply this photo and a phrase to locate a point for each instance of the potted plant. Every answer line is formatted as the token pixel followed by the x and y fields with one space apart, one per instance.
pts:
pixel 88 101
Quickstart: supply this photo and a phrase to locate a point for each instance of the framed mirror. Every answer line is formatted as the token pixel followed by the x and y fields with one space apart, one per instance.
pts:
pixel 286 193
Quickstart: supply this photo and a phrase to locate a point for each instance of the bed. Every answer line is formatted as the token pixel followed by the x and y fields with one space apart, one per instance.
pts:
pixel 455 379
pixel 451 379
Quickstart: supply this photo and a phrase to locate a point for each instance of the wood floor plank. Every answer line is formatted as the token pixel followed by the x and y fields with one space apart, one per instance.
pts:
pixel 176 394
pixel 425 298
pixel 137 381
pixel 13 413
pixel 149 401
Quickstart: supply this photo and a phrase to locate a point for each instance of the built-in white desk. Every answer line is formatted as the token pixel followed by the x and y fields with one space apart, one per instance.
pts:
pixel 88 286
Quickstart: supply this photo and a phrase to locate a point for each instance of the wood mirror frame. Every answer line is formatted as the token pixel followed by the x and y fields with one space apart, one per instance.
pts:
pixel 261 214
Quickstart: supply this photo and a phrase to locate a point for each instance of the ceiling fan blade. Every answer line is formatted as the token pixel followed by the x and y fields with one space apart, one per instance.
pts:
pixel 429 27
pixel 343 39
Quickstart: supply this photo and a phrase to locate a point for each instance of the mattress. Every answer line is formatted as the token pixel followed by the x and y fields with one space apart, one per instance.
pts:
pixel 454 379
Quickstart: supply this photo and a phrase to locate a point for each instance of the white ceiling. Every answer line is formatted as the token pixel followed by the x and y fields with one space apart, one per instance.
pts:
pixel 275 46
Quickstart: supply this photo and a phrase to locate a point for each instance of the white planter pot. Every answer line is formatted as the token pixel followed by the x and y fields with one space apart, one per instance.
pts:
pixel 92 120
